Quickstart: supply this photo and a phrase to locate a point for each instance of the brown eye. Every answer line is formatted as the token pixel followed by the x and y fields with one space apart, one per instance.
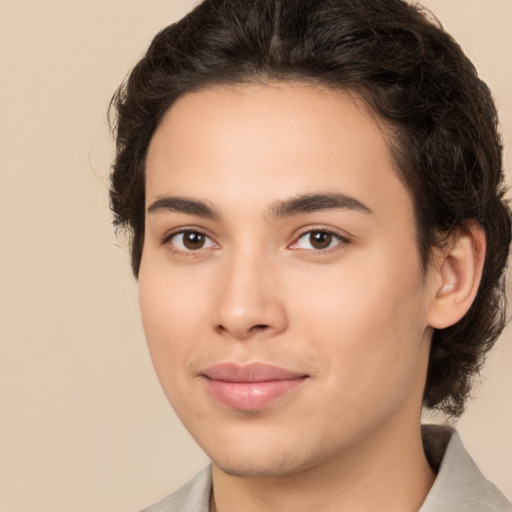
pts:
pixel 320 239
pixel 191 241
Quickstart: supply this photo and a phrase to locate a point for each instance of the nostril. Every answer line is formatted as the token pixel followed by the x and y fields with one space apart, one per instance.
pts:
pixel 246 332
pixel 259 327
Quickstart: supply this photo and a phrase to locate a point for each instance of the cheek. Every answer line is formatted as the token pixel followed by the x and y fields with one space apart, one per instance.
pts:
pixel 171 312
pixel 170 301
pixel 365 324
pixel 353 298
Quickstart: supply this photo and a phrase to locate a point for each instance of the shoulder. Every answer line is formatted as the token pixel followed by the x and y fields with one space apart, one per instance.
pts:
pixel 459 485
pixel 194 496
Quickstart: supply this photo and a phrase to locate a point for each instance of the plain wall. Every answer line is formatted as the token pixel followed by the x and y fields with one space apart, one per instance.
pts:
pixel 83 423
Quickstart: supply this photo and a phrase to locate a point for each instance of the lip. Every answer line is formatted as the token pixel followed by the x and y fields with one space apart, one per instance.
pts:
pixel 250 387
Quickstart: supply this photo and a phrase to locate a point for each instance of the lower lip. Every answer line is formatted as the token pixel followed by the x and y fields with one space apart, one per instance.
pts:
pixel 251 396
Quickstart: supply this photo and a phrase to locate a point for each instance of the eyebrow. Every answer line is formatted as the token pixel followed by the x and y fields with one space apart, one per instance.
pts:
pixel 310 203
pixel 307 203
pixel 183 205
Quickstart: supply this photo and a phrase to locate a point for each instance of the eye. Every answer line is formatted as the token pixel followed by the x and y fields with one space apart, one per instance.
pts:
pixel 318 240
pixel 190 240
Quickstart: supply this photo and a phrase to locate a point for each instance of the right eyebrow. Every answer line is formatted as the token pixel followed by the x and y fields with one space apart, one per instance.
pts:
pixel 183 205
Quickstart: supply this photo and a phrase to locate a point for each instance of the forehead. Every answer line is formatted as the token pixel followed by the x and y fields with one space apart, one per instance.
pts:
pixel 260 112
pixel 264 142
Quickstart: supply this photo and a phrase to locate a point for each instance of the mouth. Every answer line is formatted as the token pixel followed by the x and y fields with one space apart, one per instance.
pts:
pixel 250 387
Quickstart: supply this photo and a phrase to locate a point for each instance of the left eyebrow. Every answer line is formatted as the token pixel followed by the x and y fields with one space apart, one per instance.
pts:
pixel 317 202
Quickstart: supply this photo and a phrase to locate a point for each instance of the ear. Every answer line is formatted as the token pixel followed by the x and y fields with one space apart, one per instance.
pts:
pixel 455 276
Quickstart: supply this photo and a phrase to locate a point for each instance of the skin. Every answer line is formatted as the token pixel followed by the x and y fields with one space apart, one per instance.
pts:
pixel 355 317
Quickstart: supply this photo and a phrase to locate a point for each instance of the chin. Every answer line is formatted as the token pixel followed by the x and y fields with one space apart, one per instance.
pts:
pixel 264 464
pixel 268 469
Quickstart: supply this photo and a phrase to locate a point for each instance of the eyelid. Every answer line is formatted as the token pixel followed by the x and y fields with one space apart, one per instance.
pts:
pixel 343 238
pixel 169 235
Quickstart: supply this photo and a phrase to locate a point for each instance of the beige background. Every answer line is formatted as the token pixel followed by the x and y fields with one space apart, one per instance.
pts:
pixel 83 423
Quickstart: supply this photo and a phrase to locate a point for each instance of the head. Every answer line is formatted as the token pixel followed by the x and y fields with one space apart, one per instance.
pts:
pixel 400 72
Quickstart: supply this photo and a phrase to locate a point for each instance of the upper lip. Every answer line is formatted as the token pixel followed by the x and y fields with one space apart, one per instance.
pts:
pixel 254 372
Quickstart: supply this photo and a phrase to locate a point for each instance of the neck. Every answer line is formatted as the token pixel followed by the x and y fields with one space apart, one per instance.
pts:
pixel 387 470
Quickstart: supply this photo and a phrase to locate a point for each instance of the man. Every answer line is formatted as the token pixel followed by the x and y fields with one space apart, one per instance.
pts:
pixel 314 193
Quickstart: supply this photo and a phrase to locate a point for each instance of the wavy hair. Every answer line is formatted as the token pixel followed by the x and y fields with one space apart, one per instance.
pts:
pixel 408 70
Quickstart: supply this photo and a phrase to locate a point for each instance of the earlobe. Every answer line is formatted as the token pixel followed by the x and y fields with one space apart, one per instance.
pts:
pixel 456 276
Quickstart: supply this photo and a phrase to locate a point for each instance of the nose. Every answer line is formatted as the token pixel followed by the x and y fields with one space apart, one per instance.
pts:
pixel 248 302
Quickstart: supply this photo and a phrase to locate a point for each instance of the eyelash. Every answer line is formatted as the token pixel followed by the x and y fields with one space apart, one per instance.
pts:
pixel 167 240
pixel 341 241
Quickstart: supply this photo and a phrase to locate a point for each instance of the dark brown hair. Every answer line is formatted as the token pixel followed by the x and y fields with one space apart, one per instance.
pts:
pixel 410 72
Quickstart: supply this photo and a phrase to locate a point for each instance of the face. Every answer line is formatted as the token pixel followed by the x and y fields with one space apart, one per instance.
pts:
pixel 281 289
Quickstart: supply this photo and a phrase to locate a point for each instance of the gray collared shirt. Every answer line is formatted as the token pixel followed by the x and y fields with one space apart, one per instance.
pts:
pixel 459 485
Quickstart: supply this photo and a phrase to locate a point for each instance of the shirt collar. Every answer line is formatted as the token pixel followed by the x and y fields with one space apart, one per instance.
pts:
pixel 459 485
